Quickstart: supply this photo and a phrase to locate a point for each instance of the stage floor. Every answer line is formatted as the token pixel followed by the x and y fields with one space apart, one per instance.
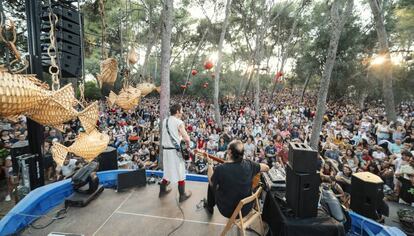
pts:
pixel 138 211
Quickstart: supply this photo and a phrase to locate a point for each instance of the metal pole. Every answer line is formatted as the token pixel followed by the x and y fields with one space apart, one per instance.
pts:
pixel 155 69
pixel 35 130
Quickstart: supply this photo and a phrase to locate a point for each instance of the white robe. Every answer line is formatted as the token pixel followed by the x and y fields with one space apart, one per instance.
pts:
pixel 174 166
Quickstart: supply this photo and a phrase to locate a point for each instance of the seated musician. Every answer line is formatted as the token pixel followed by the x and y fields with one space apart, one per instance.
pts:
pixel 231 181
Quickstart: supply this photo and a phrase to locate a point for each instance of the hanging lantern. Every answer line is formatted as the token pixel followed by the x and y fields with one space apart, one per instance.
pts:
pixel 205 85
pixel 208 65
pixel 183 86
pixel 279 74
pixel 194 72
pixel 132 56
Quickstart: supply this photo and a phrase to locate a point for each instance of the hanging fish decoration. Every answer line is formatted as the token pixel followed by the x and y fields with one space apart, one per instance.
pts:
pixel 109 72
pixel 18 94
pixel 147 88
pixel 132 56
pixel 54 113
pixel 87 146
pixel 25 95
pixel 127 99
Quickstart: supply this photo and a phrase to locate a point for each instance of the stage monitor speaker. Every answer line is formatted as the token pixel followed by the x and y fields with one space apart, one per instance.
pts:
pixel 108 159
pixel 131 179
pixel 302 158
pixel 18 149
pixel 302 192
pixel 366 194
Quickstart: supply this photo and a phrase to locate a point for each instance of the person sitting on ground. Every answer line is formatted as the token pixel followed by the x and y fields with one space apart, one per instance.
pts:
pixel 232 181
pixel 201 165
pixel 67 169
pixel 344 178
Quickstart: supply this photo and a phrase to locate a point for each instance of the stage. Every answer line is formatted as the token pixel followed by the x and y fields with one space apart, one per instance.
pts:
pixel 138 211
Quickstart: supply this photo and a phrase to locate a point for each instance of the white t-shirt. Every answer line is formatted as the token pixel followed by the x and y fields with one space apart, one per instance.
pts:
pixel 378 155
pixel 69 168
pixel 173 124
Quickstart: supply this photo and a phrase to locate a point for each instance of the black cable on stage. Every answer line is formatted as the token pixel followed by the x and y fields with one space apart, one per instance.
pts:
pixel 58 216
pixel 182 222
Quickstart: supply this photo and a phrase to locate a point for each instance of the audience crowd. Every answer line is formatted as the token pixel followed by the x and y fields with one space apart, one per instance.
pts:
pixel 352 139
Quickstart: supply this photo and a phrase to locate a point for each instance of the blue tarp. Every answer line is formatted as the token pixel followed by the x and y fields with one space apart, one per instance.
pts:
pixel 41 200
pixel 364 226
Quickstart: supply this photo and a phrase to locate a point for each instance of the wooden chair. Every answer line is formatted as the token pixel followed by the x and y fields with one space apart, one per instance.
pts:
pixel 244 222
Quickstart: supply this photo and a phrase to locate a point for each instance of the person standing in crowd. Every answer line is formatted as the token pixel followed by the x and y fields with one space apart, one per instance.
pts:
pixel 249 149
pixel 173 131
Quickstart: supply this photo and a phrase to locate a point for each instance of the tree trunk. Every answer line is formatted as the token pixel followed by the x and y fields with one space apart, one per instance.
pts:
pixel 217 116
pixel 305 86
pixel 286 52
pixel 386 69
pixel 337 24
pixel 150 45
pixel 167 18
pixel 249 80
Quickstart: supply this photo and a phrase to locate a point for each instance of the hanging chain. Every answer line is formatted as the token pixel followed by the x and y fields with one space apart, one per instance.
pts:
pixel 52 50
pixel 11 44
pixel 102 13
pixel 82 99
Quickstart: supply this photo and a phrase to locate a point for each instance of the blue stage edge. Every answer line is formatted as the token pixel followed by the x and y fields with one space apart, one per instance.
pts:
pixel 41 200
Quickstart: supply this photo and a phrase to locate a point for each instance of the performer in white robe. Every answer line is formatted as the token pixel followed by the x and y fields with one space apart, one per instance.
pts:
pixel 174 164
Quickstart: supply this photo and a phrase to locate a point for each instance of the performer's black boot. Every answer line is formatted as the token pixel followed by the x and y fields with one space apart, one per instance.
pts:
pixel 183 194
pixel 164 189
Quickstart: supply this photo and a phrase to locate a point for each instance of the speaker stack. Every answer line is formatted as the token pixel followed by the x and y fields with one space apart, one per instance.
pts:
pixel 108 160
pixel 302 180
pixel 366 194
pixel 68 38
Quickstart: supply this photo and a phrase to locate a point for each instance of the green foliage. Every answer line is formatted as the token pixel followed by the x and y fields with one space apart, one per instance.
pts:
pixel 92 91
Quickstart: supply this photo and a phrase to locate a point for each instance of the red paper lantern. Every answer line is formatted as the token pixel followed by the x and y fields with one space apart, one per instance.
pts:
pixel 279 74
pixel 208 65
pixel 194 72
pixel 183 86
pixel 205 85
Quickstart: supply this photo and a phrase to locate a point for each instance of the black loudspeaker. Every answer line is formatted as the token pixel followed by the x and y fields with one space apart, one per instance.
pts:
pixel 366 194
pixel 302 192
pixel 131 179
pixel 108 160
pixel 68 38
pixel 18 149
pixel 302 158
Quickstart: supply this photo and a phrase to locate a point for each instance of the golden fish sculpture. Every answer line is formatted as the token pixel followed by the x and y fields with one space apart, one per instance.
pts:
pixel 127 99
pixel 87 146
pixel 19 94
pixel 25 95
pixel 109 72
pixel 132 56
pixel 147 88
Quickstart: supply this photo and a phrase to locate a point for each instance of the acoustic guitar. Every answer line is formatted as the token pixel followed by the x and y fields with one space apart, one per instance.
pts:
pixel 255 180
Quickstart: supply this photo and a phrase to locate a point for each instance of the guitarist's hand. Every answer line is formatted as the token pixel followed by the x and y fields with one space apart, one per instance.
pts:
pixel 210 161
